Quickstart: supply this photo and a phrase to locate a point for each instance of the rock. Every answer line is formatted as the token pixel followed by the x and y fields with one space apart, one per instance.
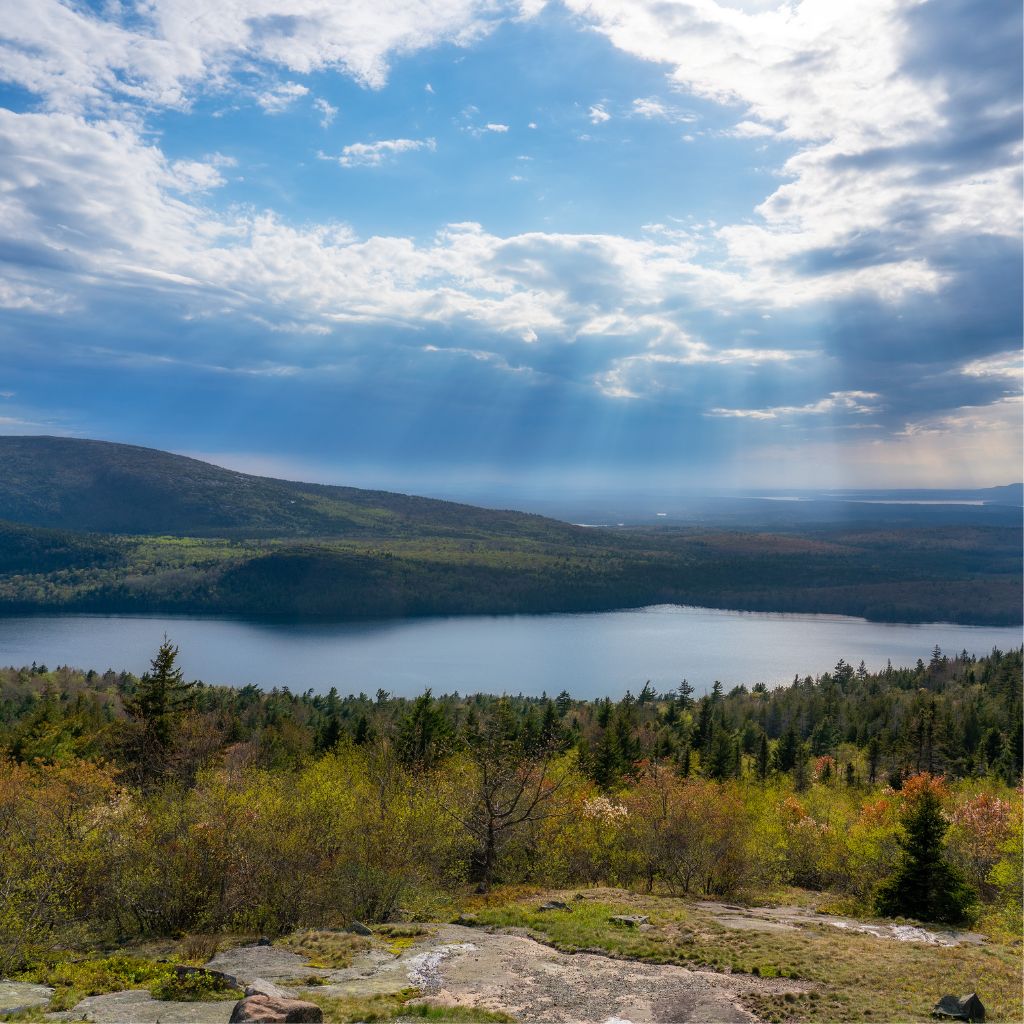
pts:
pixel 967 1007
pixel 579 896
pixel 139 1007
pixel 358 928
pixel 629 920
pixel 21 996
pixel 554 905
pixel 262 987
pixel 183 971
pixel 263 941
pixel 467 920
pixel 264 1009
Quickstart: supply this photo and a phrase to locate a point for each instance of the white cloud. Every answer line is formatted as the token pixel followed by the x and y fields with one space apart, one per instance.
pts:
pixel 327 112
pixel 280 97
pixel 598 115
pixel 750 130
pixel 498 128
pixel 861 403
pixel 832 78
pixel 1007 364
pixel 373 154
pixel 162 51
pixel 651 108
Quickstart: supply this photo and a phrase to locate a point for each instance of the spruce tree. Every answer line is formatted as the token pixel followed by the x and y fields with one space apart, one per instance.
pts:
pixel 156 705
pixel 763 761
pixel 925 886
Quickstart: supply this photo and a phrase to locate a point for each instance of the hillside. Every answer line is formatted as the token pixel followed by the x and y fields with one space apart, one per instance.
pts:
pixel 101 487
pixel 99 527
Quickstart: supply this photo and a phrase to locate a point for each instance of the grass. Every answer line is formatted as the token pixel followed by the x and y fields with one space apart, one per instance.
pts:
pixel 849 977
pixel 397 1006
pixel 331 949
pixel 74 980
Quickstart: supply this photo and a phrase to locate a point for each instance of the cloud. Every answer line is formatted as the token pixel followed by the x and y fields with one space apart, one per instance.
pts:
pixel 327 112
pixel 1008 365
pixel 163 52
pixel 750 130
pixel 498 128
pixel 598 115
pixel 861 403
pixel 280 97
pixel 905 119
pixel 373 154
pixel 651 108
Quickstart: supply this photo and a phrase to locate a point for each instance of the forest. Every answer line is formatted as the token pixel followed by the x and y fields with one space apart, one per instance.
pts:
pixel 89 526
pixel 164 807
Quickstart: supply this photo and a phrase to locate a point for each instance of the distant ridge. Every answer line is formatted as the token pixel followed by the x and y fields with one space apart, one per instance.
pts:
pixel 94 526
pixel 104 487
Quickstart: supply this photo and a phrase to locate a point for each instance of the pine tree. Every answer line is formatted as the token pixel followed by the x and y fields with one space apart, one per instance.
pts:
pixel 157 705
pixel 763 761
pixel 925 886
pixel 685 695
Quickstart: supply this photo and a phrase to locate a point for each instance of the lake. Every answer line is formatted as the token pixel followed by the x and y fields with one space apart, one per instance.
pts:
pixel 589 655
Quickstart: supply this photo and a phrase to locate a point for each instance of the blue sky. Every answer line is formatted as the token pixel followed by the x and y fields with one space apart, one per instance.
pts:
pixel 585 245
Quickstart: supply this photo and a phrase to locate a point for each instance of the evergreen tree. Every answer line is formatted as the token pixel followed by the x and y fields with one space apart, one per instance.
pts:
pixel 157 705
pixel 763 761
pixel 925 886
pixel 424 734
pixel 874 758
pixel 721 759
pixel 685 692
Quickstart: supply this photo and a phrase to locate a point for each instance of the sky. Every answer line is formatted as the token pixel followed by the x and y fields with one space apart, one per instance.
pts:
pixel 569 246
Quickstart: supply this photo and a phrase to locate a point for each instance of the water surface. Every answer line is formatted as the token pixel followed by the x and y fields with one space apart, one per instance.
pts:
pixel 589 655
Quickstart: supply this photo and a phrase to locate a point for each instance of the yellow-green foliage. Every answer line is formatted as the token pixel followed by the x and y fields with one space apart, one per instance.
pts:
pixel 354 835
pixel 73 980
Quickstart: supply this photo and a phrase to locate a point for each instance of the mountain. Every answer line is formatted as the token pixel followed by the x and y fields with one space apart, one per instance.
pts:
pixel 91 526
pixel 102 487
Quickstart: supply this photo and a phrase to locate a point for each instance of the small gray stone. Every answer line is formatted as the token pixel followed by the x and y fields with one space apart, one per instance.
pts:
pixel 554 905
pixel 358 928
pixel 629 920
pixel 467 920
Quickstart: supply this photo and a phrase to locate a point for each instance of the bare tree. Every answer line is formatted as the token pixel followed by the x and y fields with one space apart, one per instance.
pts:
pixel 514 788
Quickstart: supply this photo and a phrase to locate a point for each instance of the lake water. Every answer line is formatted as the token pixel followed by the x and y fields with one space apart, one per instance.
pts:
pixel 589 655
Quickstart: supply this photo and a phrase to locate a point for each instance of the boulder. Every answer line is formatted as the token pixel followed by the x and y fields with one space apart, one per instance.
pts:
pixel 554 905
pixel 263 941
pixel 467 920
pixel 967 1007
pixel 264 1009
pixel 358 928
pixel 629 920
pixel 262 987
pixel 182 971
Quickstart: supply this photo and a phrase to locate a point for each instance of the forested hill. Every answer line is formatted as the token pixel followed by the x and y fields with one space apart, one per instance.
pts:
pixel 101 487
pixel 90 526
